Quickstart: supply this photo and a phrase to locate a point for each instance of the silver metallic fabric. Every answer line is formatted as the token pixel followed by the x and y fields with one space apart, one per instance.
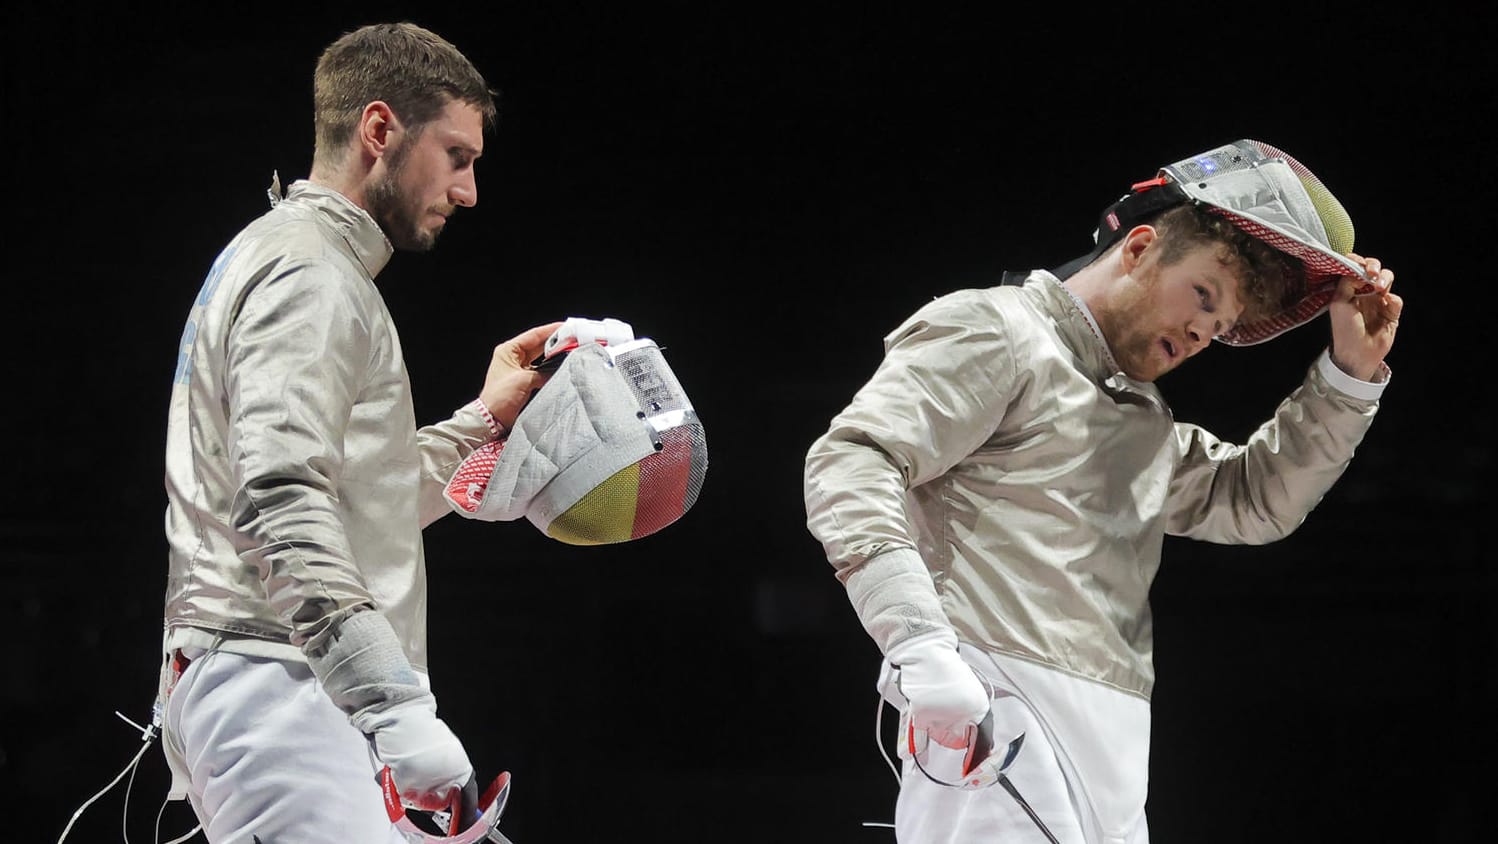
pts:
pixel 1037 482
pixel 297 480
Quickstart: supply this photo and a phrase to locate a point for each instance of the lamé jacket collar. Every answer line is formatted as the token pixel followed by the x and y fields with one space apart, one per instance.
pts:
pixel 353 224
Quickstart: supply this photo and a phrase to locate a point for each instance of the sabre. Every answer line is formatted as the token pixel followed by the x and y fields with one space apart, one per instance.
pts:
pixel 981 768
pixel 468 818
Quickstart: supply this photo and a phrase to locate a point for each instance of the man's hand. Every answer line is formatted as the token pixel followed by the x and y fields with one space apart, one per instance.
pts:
pixel 1363 327
pixel 946 698
pixel 510 380
pixel 426 760
pixel 361 666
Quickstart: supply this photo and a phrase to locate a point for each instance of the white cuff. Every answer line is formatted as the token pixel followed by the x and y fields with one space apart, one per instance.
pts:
pixel 1355 387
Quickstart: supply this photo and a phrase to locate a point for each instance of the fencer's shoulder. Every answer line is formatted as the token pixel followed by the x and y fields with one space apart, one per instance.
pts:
pixel 968 322
pixel 1000 308
pixel 296 237
pixel 291 230
pixel 276 233
pixel 286 260
pixel 315 224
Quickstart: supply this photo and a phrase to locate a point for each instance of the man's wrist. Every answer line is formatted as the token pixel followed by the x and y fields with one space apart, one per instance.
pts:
pixel 1369 389
pixel 1362 372
pixel 943 638
pixel 495 427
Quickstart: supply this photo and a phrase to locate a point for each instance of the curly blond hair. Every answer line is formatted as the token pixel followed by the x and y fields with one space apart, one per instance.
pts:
pixel 1269 281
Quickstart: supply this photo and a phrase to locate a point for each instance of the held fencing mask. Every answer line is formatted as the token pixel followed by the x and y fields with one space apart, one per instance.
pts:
pixel 1267 194
pixel 608 450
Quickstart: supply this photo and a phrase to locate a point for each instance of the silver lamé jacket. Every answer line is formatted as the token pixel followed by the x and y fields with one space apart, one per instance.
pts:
pixel 1037 482
pixel 297 480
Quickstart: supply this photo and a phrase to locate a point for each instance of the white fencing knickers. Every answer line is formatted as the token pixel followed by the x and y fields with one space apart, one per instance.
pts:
pixel 1084 766
pixel 268 755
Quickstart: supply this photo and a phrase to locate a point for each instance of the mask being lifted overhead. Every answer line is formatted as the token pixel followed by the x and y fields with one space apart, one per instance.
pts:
pixel 608 450
pixel 1267 194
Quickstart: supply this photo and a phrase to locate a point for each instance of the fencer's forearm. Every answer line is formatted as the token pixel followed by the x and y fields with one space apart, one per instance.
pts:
pixel 895 598
pixel 854 495
pixel 443 447
pixel 945 383
pixel 301 554
pixel 1263 490
pixel 362 667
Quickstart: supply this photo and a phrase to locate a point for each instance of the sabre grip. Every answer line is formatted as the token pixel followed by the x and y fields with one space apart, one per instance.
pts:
pixel 462 808
pixel 466 809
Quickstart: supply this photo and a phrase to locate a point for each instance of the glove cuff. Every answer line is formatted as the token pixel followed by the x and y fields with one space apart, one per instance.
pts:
pixel 913 648
pixel 360 664
pixel 896 600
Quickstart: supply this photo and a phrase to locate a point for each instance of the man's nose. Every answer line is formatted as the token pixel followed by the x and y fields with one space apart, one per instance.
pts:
pixel 1200 331
pixel 465 191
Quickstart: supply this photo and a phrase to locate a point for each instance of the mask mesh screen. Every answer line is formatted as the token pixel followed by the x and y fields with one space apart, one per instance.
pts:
pixel 1334 218
pixel 641 498
pixel 646 496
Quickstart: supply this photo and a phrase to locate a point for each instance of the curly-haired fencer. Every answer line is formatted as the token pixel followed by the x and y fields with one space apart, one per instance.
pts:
pixel 996 496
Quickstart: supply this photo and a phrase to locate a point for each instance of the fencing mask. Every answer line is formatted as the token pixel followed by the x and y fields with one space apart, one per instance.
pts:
pixel 608 450
pixel 1269 195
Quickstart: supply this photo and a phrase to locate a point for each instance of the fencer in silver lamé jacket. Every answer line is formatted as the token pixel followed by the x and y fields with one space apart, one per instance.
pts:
pixel 297 480
pixel 1037 482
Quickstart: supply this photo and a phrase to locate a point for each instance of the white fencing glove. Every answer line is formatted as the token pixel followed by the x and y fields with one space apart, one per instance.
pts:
pixel 360 664
pixel 426 760
pixel 896 600
pixel 947 700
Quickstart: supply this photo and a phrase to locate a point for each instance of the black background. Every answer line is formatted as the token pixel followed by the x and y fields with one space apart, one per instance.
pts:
pixel 765 192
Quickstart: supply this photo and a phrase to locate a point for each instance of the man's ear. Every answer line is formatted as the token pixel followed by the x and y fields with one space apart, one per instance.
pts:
pixel 379 130
pixel 1135 244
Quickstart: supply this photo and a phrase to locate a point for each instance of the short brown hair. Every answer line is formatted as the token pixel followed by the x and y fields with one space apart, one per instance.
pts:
pixel 413 70
pixel 1269 281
